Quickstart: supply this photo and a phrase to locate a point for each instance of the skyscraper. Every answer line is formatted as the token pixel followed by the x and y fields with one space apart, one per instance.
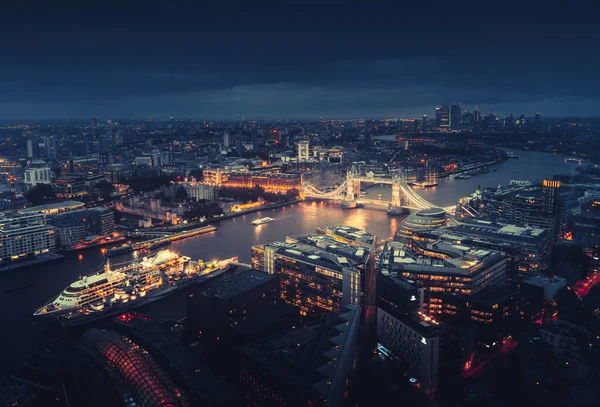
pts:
pixel 424 123
pixel 455 117
pixel 538 122
pixel 226 140
pixel 476 115
pixel 442 119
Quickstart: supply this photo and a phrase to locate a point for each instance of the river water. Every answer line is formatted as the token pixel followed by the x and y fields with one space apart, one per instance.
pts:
pixel 22 333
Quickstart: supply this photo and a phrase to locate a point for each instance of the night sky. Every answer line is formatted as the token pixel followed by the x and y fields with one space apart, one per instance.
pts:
pixel 297 59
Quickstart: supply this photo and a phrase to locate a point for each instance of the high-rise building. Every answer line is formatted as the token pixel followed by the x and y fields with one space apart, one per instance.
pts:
pixel 425 124
pixel 455 117
pixel 226 139
pixel 476 116
pixel 312 279
pixel 442 117
pixel 445 268
pixel 303 150
pixel 23 235
pixel 538 122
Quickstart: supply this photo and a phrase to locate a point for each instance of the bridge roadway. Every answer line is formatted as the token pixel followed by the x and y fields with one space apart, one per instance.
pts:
pixel 412 200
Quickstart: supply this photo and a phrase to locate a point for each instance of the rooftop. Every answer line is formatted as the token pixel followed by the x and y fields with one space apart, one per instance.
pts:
pixel 63 205
pixel 232 287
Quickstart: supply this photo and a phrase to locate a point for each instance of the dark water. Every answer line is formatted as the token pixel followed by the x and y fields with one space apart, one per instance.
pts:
pixel 22 333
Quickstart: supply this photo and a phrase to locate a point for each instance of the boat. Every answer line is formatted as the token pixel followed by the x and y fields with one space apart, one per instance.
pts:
pixel 512 155
pixel 20 286
pixel 262 221
pixel 134 284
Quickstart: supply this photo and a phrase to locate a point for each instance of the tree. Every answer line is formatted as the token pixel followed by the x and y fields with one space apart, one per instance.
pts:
pixel 105 188
pixel 38 194
pixel 180 194
pixel 197 173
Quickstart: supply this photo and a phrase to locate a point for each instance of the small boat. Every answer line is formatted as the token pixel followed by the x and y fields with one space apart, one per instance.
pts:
pixel 20 286
pixel 262 221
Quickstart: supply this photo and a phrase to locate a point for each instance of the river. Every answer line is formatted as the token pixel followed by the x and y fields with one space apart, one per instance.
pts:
pixel 23 333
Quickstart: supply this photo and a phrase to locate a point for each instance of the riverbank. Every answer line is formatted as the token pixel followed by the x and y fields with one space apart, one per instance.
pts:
pixel 231 215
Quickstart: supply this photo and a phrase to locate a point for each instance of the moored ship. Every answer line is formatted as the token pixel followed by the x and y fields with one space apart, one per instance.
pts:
pixel 134 284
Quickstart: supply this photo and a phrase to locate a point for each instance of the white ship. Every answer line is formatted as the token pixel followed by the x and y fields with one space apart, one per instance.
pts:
pixel 262 221
pixel 133 284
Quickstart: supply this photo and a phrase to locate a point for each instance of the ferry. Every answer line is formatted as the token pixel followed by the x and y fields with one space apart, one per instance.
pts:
pixel 134 284
pixel 262 221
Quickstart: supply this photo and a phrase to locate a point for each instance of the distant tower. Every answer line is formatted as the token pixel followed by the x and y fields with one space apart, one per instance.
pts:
pixel 226 139
pixel 455 116
pixel 29 148
pixel 538 123
pixel 424 123
pixel 442 117
pixel 476 115
pixel 303 150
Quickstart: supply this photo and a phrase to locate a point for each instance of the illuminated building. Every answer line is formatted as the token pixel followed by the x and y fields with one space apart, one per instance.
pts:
pixel 445 268
pixel 303 151
pixel 138 377
pixel 311 279
pixel 75 227
pixel 213 311
pixel 426 219
pixel 54 208
pixel 226 139
pixel 359 255
pixel 348 235
pixel 310 365
pixel 535 244
pixel 23 235
pixel 35 176
pixel 538 207
pixel 442 117
pixel 271 182
pixel 68 187
pixel 489 311
pixel 199 191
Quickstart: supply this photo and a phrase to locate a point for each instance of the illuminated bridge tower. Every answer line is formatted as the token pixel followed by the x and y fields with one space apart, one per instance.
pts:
pixel 395 207
pixel 352 189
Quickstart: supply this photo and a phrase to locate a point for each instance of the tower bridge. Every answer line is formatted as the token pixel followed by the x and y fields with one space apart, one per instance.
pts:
pixel 404 198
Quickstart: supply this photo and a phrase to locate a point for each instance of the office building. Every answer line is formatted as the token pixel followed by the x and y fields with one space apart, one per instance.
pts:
pixel 445 268
pixel 77 227
pixel 303 151
pixel 69 186
pixel 535 244
pixel 315 281
pixel 348 235
pixel 424 220
pixel 25 235
pixel 442 117
pixel 34 176
pixel 310 365
pixel 455 117
pixel 538 207
pixel 214 311
pixel 226 140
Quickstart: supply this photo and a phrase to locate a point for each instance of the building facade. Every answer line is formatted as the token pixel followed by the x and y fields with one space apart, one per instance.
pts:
pixel 315 281
pixel 23 235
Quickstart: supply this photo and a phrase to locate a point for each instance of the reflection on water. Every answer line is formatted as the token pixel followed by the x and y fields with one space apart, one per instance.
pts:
pixel 234 238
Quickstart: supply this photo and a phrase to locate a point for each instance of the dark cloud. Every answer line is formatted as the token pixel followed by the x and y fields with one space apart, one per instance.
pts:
pixel 296 58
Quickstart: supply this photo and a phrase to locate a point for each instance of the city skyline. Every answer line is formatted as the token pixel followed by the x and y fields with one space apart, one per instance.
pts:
pixel 224 60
